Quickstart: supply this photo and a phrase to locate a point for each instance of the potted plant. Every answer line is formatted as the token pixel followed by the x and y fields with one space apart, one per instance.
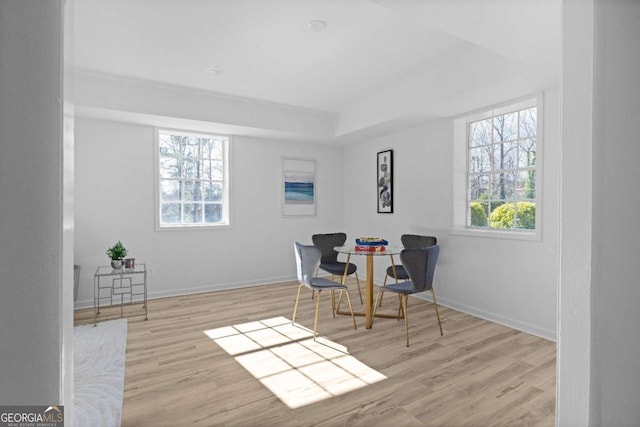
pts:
pixel 117 253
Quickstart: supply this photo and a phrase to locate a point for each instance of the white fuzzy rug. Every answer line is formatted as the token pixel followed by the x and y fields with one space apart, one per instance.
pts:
pixel 98 363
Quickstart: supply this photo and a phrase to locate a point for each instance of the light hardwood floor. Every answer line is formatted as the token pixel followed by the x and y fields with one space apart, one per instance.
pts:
pixel 478 374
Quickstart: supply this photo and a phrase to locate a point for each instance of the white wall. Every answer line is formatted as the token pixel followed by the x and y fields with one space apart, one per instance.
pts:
pixel 574 296
pixel 33 368
pixel 115 200
pixel 512 282
pixel 124 98
pixel 507 281
pixel 615 317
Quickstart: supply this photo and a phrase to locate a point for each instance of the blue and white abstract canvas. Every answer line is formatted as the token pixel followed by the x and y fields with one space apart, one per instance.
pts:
pixel 299 188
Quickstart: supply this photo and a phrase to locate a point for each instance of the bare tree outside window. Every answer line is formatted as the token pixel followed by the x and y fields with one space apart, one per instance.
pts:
pixel 191 173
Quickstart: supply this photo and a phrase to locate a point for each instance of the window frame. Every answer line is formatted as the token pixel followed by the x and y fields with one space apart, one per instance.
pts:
pixel 461 170
pixel 226 196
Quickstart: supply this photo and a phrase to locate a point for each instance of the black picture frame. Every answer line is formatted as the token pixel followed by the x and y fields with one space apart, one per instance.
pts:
pixel 384 182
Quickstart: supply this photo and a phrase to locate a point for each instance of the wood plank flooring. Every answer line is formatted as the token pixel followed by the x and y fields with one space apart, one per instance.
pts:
pixel 478 374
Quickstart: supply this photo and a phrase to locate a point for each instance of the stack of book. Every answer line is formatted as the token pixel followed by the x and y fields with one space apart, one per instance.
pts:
pixel 371 244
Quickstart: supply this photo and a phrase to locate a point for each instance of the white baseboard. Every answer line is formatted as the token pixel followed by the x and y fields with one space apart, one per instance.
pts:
pixel 493 317
pixel 473 311
pixel 199 290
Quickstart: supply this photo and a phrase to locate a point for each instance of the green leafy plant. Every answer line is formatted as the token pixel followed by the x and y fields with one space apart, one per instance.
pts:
pixel 117 251
pixel 478 215
pixel 502 216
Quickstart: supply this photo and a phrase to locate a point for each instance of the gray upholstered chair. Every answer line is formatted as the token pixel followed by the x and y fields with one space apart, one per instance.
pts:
pixel 307 262
pixel 329 261
pixel 409 241
pixel 420 265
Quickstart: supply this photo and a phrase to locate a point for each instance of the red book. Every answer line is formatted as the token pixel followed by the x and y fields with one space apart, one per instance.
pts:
pixel 369 248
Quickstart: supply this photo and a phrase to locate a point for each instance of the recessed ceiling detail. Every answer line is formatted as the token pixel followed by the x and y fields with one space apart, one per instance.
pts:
pixel 383 64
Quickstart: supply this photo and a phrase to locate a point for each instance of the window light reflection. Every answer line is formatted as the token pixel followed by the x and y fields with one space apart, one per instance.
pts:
pixel 294 367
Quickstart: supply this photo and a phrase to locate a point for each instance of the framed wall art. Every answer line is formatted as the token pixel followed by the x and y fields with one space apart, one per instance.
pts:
pixel 298 186
pixel 385 182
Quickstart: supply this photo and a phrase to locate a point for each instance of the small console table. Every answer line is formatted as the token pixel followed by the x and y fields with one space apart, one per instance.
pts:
pixel 123 286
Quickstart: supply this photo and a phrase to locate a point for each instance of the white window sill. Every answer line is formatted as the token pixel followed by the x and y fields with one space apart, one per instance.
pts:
pixel 193 227
pixel 492 234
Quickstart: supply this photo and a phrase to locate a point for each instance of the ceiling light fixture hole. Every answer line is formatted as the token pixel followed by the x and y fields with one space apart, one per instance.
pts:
pixel 317 25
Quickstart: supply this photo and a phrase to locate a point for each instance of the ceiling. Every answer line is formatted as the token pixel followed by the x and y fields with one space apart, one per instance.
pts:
pixel 378 65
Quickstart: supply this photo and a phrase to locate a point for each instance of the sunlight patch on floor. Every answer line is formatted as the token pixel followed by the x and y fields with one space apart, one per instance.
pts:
pixel 285 359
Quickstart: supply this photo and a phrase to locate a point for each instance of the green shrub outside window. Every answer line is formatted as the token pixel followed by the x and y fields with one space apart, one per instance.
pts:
pixel 523 216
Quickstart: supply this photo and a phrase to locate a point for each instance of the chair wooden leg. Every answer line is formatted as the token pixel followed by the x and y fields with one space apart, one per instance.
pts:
pixel 399 306
pixel 343 279
pixel 395 276
pixel 406 318
pixel 339 301
pixel 315 322
pixel 353 317
pixel 333 303
pixel 435 304
pixel 359 290
pixel 376 304
pixel 379 303
pixel 346 269
pixel 295 307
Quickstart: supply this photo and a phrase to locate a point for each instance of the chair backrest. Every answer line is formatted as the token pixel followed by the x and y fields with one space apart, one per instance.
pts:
pixel 326 242
pixel 415 241
pixel 307 262
pixel 421 266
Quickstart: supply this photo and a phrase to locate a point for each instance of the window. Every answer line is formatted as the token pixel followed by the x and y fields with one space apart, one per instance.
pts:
pixel 501 149
pixel 192 179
